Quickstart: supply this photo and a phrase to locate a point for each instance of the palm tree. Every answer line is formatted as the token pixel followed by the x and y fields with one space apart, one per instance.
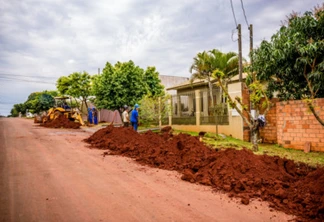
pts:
pixel 206 62
pixel 225 62
pixel 201 68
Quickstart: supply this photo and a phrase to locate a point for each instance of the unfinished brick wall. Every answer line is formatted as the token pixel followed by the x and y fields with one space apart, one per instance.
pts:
pixel 297 126
pixel 268 134
pixel 290 124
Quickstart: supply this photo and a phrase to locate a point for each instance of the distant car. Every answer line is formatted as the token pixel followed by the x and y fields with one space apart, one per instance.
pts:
pixel 29 115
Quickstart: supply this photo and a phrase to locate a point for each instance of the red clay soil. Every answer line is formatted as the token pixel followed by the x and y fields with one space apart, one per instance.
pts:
pixel 293 188
pixel 62 122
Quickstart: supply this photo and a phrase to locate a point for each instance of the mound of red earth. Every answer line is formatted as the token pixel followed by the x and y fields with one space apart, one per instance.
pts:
pixel 293 188
pixel 62 122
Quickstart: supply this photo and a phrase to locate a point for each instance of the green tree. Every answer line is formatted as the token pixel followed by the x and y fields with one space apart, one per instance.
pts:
pixel 44 102
pixel 153 109
pixel 77 85
pixel 36 102
pixel 151 77
pixel 293 61
pixel 118 85
pixel 40 101
pixel 257 93
pixel 206 62
pixel 18 108
pixel 202 68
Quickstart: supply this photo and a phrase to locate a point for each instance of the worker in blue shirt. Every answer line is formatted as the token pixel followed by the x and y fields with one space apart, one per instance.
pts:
pixel 89 116
pixel 134 119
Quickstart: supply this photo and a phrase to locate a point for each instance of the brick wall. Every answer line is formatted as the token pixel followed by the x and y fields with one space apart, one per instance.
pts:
pixel 296 125
pixel 269 132
pixel 290 124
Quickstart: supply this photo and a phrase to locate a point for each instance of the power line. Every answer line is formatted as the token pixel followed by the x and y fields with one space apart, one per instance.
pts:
pixel 24 80
pixel 48 77
pixel 244 13
pixel 233 13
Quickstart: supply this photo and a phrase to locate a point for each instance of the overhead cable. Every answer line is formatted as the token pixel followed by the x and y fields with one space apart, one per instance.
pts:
pixel 244 14
pixel 23 80
pixel 233 13
pixel 9 74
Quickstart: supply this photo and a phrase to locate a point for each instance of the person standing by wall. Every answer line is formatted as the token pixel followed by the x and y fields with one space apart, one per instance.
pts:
pixel 125 116
pixel 134 117
pixel 95 116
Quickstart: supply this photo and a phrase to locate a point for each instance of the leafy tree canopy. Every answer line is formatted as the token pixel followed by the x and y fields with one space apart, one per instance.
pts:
pixel 293 61
pixel 77 85
pixel 152 109
pixel 151 77
pixel 124 84
pixel 35 103
pixel 17 108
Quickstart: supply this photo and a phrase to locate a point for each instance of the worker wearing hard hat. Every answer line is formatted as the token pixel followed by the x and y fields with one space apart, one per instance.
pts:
pixel 134 117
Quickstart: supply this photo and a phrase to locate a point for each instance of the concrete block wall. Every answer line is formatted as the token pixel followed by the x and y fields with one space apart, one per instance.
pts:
pixel 296 125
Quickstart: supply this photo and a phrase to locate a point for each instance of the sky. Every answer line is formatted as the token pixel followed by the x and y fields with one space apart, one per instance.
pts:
pixel 42 40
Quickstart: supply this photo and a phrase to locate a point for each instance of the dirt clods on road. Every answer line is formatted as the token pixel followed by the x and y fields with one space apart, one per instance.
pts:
pixel 293 188
pixel 62 122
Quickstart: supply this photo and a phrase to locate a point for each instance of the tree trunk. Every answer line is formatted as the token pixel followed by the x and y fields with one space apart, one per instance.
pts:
pixel 85 102
pixel 255 129
pixel 212 101
pixel 210 91
pixel 78 105
pixel 254 139
pixel 317 117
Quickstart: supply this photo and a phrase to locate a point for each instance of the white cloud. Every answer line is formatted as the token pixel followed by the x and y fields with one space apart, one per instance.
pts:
pixel 56 37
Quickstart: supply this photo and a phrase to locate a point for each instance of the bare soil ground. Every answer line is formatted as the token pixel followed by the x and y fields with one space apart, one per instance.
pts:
pixel 294 188
pixel 49 174
pixel 61 122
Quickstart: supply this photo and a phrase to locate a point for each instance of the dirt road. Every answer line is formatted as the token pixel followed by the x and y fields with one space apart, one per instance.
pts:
pixel 51 175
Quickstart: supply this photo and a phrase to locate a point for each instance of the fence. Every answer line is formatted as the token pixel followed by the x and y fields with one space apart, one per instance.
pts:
pixel 185 105
pixel 183 109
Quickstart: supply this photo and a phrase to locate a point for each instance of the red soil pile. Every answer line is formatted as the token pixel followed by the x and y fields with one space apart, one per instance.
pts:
pixel 62 122
pixel 293 188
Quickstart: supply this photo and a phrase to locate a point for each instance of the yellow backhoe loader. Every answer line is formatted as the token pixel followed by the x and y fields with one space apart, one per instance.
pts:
pixel 61 108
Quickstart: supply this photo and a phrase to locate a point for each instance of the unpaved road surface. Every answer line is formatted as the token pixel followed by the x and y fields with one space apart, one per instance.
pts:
pixel 51 175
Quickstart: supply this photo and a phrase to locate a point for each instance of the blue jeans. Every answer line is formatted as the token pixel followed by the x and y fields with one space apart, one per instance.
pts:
pixel 95 120
pixel 134 125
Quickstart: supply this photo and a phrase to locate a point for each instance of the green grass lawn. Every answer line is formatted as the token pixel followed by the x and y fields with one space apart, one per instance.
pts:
pixel 312 158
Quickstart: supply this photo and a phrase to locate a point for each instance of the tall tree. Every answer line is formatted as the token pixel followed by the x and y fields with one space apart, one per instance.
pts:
pixel 119 85
pixel 44 102
pixel 293 61
pixel 36 102
pixel 18 108
pixel 151 77
pixel 202 68
pixel 256 95
pixel 206 62
pixel 77 85
pixel 226 63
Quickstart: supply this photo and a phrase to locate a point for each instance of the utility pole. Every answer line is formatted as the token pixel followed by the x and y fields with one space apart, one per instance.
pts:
pixel 240 50
pixel 98 71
